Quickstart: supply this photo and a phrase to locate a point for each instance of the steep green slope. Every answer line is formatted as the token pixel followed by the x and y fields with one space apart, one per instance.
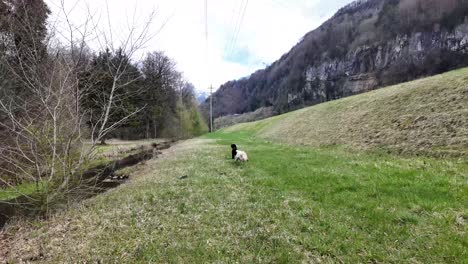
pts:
pixel 426 116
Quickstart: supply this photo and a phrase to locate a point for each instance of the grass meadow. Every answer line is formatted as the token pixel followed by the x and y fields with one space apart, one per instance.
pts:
pixel 286 205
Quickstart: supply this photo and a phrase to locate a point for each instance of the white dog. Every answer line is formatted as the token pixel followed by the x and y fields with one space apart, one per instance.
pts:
pixel 241 156
pixel 238 155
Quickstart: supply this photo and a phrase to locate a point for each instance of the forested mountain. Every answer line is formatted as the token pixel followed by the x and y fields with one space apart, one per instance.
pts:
pixel 365 45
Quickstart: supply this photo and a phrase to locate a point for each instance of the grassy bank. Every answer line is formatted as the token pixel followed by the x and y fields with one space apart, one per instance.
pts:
pixel 287 205
pixel 427 116
pixel 103 154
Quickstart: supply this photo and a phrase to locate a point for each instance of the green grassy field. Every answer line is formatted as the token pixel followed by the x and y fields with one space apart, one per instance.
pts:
pixel 286 205
pixel 313 194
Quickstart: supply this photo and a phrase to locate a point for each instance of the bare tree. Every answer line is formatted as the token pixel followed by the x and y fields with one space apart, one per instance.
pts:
pixel 45 124
pixel 161 78
pixel 129 44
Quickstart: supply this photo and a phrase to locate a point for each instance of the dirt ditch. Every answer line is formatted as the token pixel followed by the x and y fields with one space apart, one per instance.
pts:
pixel 103 177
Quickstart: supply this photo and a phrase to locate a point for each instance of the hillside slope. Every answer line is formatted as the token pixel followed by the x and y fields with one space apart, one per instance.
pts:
pixel 365 45
pixel 426 116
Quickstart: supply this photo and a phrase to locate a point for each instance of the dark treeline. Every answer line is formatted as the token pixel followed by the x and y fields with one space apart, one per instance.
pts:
pixel 155 102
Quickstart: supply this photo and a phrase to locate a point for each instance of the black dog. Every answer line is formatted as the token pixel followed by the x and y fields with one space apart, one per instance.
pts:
pixel 234 151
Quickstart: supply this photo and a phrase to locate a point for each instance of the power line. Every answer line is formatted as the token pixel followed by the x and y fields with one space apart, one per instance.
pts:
pixel 206 23
pixel 231 21
pixel 240 24
pixel 240 18
pixel 236 25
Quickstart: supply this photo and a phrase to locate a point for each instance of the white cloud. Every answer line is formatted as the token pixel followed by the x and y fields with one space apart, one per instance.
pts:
pixel 269 29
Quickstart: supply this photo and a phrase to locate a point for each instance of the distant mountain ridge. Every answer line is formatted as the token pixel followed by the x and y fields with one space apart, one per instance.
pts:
pixel 201 96
pixel 353 5
pixel 366 45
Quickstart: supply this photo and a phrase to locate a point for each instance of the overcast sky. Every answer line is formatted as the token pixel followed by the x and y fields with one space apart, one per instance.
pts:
pixel 269 29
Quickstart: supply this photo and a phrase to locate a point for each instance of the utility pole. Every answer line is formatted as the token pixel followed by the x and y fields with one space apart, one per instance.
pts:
pixel 211 109
pixel 208 65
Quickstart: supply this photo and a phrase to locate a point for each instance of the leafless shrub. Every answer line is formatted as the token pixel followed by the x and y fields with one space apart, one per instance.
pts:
pixel 47 131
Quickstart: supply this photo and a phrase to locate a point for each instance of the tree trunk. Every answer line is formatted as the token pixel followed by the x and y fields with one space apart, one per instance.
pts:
pixel 147 128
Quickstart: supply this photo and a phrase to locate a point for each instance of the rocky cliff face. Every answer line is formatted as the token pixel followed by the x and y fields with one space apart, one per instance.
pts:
pixel 361 69
pixel 366 45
